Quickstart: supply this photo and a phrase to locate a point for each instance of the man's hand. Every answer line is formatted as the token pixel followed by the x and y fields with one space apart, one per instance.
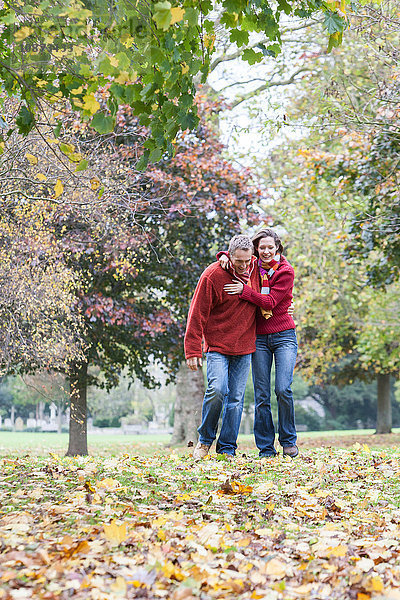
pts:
pixel 290 310
pixel 234 288
pixel 194 362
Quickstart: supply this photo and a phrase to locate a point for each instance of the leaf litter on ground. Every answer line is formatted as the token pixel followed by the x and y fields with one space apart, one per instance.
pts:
pixel 325 525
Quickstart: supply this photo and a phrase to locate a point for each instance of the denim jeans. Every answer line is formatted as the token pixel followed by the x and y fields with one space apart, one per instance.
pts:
pixel 226 384
pixel 283 347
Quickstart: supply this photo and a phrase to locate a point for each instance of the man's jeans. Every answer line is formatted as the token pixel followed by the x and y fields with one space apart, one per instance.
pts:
pixel 226 384
pixel 282 346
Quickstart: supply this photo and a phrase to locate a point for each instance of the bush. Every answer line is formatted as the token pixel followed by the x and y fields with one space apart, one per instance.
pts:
pixel 107 422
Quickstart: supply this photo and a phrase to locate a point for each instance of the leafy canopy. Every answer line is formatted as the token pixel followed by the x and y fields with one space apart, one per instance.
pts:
pixel 150 55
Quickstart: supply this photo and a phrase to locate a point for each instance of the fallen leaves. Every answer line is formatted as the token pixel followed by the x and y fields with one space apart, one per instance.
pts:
pixel 324 526
pixel 115 533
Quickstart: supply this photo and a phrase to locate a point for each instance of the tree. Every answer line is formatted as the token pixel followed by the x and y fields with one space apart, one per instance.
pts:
pixel 136 274
pixel 188 404
pixel 150 52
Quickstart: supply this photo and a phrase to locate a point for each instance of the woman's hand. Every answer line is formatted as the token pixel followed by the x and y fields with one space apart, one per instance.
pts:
pixel 223 261
pixel 234 288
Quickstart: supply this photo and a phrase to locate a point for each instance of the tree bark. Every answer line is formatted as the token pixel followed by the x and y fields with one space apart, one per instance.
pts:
pixel 189 400
pixel 78 412
pixel 384 407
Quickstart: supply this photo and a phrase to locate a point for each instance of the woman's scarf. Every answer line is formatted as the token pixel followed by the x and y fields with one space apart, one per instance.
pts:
pixel 266 271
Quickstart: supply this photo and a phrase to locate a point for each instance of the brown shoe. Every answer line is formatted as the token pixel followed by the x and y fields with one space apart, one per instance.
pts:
pixel 291 451
pixel 200 451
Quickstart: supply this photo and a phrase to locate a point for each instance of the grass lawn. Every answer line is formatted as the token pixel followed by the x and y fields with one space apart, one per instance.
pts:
pixel 43 443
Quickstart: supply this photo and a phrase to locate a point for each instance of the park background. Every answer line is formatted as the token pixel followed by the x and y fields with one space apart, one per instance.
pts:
pixel 105 231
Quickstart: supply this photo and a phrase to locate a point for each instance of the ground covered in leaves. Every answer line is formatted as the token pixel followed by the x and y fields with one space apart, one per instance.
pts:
pixel 326 525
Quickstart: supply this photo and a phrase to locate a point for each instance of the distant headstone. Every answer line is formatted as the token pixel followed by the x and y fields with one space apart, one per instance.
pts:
pixel 31 423
pixel 8 423
pixel 53 412
pixel 19 424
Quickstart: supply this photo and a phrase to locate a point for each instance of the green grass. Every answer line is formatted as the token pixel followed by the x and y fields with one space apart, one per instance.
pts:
pixel 42 443
pixel 47 442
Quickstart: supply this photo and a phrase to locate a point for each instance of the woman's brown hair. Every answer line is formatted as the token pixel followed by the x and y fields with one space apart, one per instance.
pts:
pixel 266 233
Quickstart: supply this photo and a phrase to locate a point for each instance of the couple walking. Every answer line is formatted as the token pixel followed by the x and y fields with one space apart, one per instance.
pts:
pixel 240 309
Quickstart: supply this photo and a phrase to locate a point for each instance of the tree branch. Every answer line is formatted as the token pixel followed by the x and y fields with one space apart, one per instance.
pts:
pixel 269 84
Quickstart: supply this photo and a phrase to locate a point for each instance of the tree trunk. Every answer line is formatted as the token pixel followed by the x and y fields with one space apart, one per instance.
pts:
pixel 384 412
pixel 189 400
pixel 78 414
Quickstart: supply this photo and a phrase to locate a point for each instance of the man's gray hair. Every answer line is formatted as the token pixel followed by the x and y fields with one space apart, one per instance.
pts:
pixel 240 242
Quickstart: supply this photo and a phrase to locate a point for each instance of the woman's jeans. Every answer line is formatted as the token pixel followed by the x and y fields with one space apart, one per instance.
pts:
pixel 282 346
pixel 226 384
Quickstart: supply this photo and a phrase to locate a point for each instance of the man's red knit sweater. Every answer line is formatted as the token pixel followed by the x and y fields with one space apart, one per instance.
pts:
pixel 227 323
pixel 278 300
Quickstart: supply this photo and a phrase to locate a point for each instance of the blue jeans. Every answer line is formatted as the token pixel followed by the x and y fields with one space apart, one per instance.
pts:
pixel 283 347
pixel 226 384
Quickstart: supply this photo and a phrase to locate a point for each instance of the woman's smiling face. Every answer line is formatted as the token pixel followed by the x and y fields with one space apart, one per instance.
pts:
pixel 267 249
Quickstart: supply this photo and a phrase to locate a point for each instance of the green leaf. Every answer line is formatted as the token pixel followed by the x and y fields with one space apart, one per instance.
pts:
pixel 143 161
pixel 186 100
pixel 155 155
pixel 105 67
pixel 162 15
pixel 251 56
pixel 188 121
pixel 333 22
pixel 239 37
pixel 335 40
pixel 8 18
pixel 83 165
pixel 102 123
pixel 57 129
pixel 192 16
pixel 25 120
pixel 123 61
pixel 283 5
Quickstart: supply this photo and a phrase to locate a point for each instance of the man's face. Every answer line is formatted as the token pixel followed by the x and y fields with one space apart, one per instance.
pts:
pixel 241 260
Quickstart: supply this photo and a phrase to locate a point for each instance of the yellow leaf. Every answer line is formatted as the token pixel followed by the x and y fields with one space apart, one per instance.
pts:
pixel 338 551
pixel 243 542
pixel 94 184
pixel 375 584
pixel 113 61
pixel 114 533
pixel 23 33
pixel 58 189
pixel 77 50
pixel 172 572
pixel 161 535
pixel 183 497
pixel 124 76
pixel 177 14
pixel 77 91
pixel 119 586
pixel 90 103
pixel 185 68
pixel 108 483
pixel 276 568
pixel 32 159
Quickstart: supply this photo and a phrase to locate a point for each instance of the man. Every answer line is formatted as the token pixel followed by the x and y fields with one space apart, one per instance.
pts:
pixel 227 325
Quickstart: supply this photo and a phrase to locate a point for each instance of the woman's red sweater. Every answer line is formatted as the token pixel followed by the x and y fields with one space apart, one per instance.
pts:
pixel 278 300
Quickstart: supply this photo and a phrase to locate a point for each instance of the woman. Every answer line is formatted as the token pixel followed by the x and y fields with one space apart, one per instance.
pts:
pixel 276 339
